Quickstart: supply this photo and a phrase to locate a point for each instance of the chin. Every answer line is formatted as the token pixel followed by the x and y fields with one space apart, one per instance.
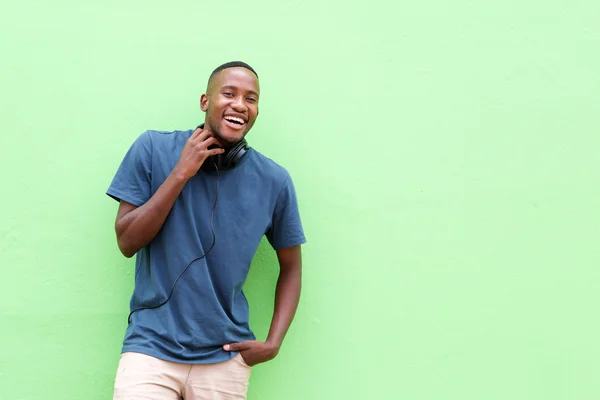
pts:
pixel 230 138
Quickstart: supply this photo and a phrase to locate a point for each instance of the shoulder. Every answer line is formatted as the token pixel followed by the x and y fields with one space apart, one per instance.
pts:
pixel 156 143
pixel 159 137
pixel 270 168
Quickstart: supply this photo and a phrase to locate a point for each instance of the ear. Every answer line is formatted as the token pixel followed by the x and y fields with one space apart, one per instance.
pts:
pixel 204 102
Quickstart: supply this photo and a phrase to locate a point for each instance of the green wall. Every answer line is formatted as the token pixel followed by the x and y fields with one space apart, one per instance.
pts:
pixel 445 156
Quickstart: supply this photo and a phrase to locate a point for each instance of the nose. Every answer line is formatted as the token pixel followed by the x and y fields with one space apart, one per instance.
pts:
pixel 239 105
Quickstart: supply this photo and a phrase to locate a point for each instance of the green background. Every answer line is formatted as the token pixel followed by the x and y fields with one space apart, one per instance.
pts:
pixel 445 156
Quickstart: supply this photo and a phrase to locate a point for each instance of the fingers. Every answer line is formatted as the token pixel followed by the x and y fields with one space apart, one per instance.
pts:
pixel 196 133
pixel 208 142
pixel 205 135
pixel 200 135
pixel 203 140
pixel 237 346
pixel 206 145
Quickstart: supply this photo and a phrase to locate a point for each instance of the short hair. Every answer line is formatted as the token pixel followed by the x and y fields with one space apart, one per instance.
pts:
pixel 231 64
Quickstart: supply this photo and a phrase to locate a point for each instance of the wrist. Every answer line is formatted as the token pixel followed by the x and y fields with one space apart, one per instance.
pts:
pixel 273 345
pixel 179 175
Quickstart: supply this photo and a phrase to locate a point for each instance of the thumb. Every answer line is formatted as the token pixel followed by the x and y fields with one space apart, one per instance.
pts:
pixel 236 346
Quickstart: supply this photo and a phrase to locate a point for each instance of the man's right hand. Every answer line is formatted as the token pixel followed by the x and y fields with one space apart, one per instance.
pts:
pixel 195 152
pixel 137 226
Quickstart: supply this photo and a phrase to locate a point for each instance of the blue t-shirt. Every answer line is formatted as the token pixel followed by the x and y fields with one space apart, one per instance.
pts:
pixel 208 308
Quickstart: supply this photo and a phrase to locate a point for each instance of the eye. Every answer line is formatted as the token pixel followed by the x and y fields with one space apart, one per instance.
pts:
pixel 228 94
pixel 251 99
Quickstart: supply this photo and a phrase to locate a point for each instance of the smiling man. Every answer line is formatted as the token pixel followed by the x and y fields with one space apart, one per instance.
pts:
pixel 193 208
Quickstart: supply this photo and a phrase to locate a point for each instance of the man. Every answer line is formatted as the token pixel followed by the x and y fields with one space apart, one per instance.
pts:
pixel 193 208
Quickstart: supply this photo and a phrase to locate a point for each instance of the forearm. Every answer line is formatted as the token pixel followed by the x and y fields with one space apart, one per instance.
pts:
pixel 137 228
pixel 287 296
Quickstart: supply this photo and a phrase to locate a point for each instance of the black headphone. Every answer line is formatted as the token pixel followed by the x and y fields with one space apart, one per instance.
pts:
pixel 227 160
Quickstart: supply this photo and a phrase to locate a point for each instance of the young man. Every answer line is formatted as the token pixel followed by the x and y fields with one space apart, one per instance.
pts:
pixel 193 208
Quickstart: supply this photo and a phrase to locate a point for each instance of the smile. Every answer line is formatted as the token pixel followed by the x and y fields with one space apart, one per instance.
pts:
pixel 235 122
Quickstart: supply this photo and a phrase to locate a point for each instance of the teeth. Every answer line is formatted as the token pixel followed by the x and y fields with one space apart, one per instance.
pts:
pixel 235 119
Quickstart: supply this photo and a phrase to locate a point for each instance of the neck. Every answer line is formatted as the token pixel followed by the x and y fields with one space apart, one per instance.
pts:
pixel 220 142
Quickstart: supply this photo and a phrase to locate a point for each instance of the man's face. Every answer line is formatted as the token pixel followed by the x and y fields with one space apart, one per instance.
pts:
pixel 231 105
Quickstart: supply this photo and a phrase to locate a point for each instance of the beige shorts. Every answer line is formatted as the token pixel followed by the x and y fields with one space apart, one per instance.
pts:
pixel 140 376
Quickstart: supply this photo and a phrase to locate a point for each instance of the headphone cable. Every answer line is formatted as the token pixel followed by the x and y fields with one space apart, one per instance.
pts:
pixel 212 228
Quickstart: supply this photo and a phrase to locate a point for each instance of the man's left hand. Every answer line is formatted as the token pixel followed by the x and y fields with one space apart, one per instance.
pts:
pixel 253 351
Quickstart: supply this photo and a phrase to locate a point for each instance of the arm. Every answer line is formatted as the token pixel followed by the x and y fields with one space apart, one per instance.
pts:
pixel 287 296
pixel 286 236
pixel 137 226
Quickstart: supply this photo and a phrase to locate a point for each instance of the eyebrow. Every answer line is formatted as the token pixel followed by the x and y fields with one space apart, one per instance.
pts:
pixel 236 88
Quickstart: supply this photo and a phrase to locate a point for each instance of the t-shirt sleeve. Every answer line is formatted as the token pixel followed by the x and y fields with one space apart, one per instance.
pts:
pixel 286 227
pixel 132 182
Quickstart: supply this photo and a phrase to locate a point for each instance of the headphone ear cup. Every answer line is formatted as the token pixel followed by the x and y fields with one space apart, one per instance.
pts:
pixel 234 155
pixel 227 160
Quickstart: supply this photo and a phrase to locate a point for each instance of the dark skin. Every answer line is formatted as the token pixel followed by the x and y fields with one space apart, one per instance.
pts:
pixel 234 92
pixel 287 295
pixel 231 107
